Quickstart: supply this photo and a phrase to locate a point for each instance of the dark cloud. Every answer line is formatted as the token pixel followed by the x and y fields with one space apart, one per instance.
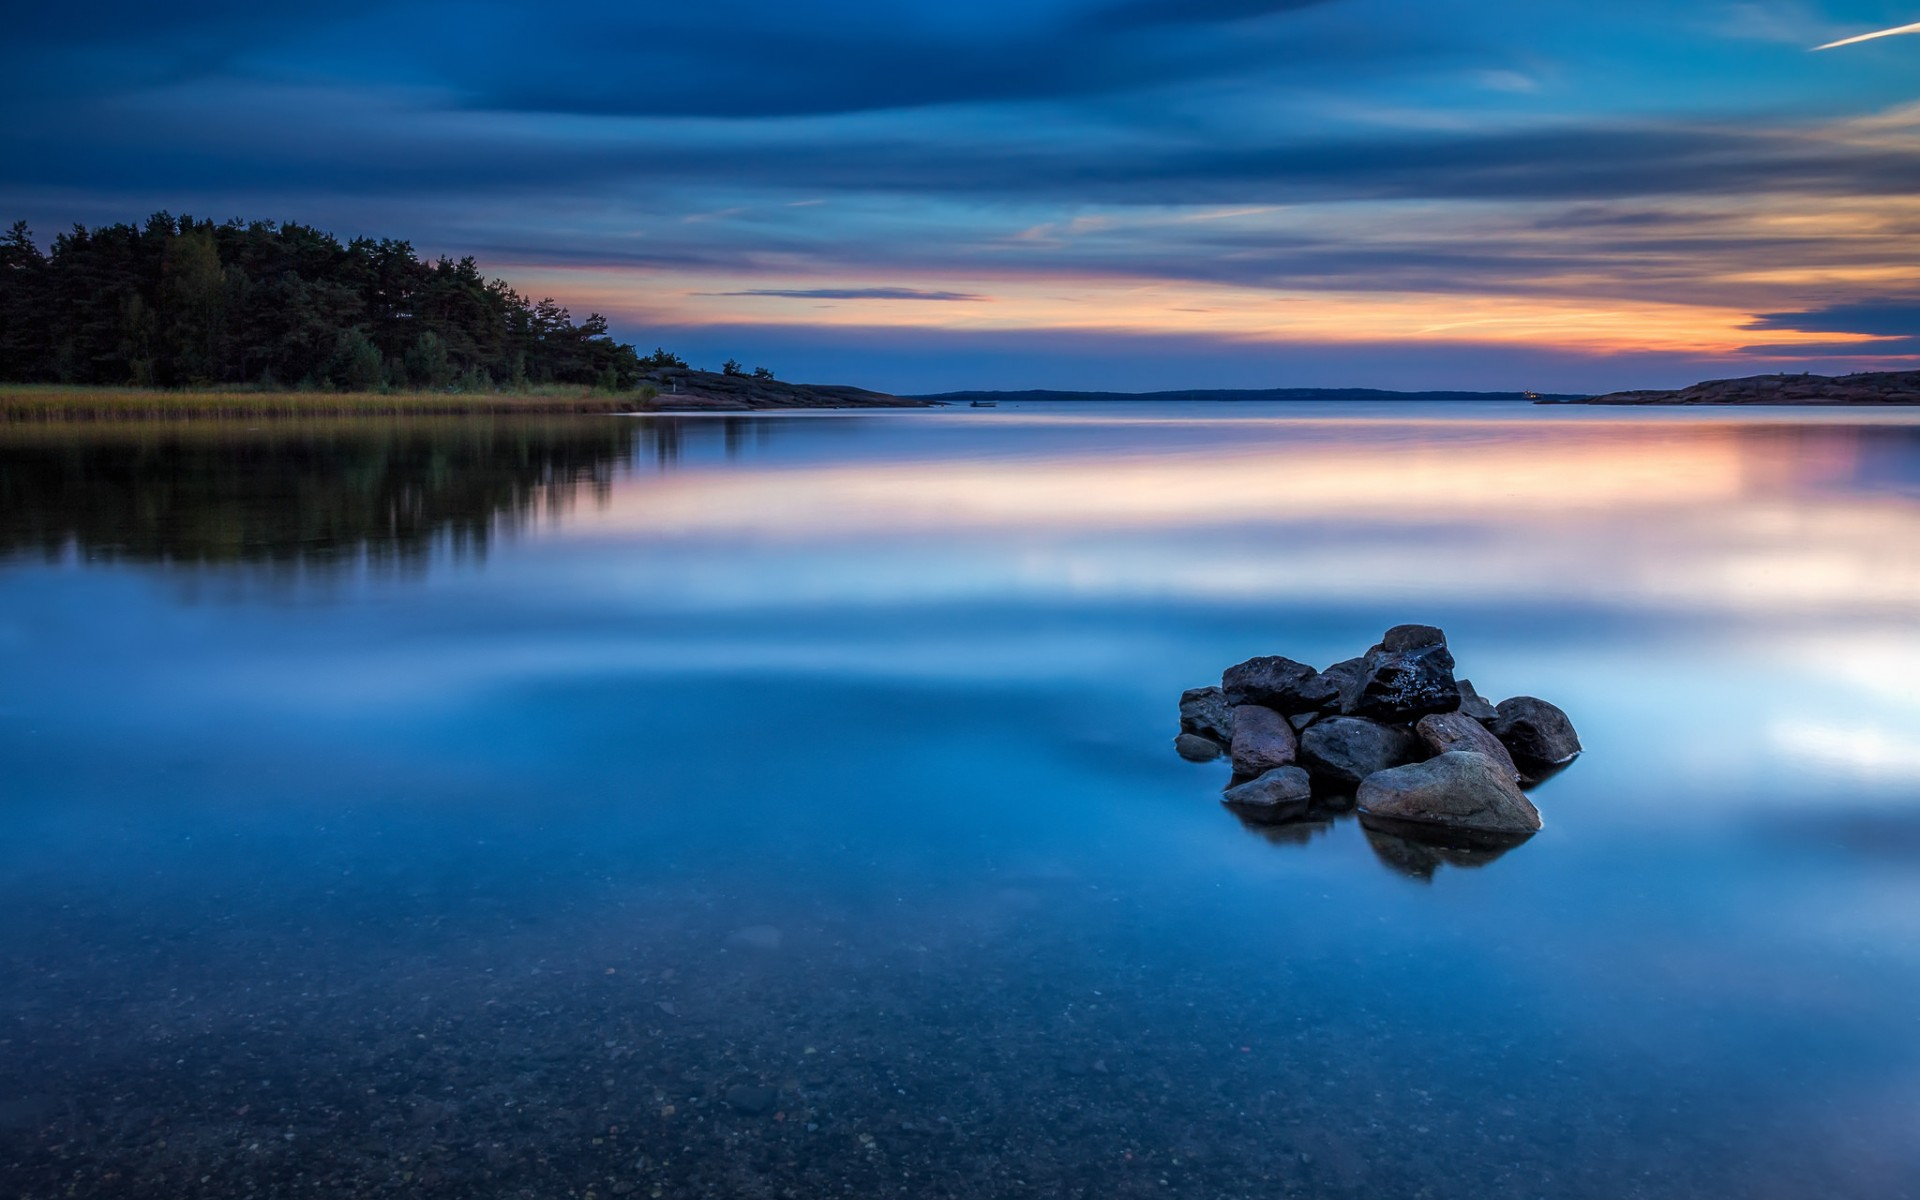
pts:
pixel 867 293
pixel 1893 320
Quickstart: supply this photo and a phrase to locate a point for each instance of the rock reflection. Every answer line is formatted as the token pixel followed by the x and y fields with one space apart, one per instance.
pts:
pixel 1418 857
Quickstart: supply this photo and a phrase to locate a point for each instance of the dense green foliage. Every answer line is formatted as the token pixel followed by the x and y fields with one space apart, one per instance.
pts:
pixel 181 302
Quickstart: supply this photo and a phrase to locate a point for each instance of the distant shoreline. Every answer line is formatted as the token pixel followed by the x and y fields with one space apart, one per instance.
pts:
pixel 1236 395
pixel 1869 389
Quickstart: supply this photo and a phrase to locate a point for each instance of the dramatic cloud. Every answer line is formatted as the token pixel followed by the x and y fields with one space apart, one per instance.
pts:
pixel 1600 186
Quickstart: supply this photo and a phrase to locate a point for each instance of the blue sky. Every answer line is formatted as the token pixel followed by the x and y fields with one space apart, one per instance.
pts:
pixel 1098 193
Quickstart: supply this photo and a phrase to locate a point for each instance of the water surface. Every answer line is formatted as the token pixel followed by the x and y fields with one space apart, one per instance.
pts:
pixel 784 805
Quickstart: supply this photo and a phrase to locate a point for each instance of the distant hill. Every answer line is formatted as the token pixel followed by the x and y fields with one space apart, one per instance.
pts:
pixel 1868 387
pixel 1239 395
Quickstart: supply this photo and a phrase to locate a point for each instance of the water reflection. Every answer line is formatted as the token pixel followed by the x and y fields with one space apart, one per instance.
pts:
pixel 827 757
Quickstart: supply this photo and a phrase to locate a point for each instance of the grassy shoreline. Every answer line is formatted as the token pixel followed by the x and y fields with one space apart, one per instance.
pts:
pixel 53 403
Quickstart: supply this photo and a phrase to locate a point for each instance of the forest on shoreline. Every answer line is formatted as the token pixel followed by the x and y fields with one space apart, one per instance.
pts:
pixel 180 302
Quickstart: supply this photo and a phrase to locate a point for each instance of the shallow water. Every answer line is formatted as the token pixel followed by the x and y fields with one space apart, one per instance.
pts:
pixel 785 805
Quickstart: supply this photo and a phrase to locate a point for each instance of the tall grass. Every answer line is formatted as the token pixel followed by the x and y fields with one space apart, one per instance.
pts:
pixel 52 402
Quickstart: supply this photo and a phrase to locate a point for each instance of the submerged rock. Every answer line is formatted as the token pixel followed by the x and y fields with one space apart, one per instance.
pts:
pixel 1443 732
pixel 1194 748
pixel 1346 750
pixel 751 1099
pixel 1536 731
pixel 1281 684
pixel 1205 711
pixel 1282 794
pixel 1461 791
pixel 1262 740
pixel 1408 674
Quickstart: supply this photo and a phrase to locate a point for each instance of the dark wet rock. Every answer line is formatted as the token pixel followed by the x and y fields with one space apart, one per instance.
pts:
pixel 1345 750
pixel 1535 731
pixel 1300 721
pixel 1444 732
pixel 1194 748
pixel 1463 792
pixel 1282 794
pixel 1205 711
pixel 1278 683
pixel 1345 676
pixel 752 1099
pixel 1474 705
pixel 1409 674
pixel 1262 740
pixel 1402 638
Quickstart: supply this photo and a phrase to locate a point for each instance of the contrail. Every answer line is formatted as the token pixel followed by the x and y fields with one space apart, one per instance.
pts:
pixel 1868 37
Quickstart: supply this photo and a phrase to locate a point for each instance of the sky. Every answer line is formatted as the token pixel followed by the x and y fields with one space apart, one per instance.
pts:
pixel 1112 194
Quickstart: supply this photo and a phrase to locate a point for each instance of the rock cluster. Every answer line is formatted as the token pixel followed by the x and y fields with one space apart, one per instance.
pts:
pixel 1420 753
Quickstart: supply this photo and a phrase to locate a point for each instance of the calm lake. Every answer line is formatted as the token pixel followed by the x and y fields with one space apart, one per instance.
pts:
pixel 785 806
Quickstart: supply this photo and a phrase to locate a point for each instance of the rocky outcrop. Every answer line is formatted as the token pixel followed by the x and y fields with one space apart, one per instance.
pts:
pixel 1410 673
pixel 1280 795
pixel 1444 732
pixel 1342 751
pixel 1278 683
pixel 1535 731
pixel 1459 791
pixel 1206 712
pixel 1262 740
pixel 1872 387
pixel 1194 748
pixel 680 389
pixel 1426 759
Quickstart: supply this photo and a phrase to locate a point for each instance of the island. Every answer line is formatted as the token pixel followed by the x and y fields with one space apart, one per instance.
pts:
pixel 1866 388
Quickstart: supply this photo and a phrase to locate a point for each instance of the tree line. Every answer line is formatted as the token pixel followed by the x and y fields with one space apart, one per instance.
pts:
pixel 181 302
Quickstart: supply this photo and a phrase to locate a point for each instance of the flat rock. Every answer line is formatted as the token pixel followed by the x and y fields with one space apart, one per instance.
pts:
pixel 1205 711
pixel 1346 750
pixel 1535 731
pixel 1409 674
pixel 1194 748
pixel 1262 740
pixel 1300 721
pixel 1282 794
pixel 1474 705
pixel 1460 791
pixel 1445 732
pixel 1281 684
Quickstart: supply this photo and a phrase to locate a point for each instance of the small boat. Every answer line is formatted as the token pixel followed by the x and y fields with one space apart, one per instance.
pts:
pixel 986 404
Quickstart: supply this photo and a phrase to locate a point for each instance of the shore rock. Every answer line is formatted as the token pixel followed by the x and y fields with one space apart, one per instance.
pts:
pixel 1409 674
pixel 1474 705
pixel 1281 684
pixel 1345 677
pixel 1536 731
pixel 1300 721
pixel 1445 732
pixel 1194 748
pixel 1205 711
pixel 1282 794
pixel 1460 791
pixel 1346 750
pixel 1262 740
